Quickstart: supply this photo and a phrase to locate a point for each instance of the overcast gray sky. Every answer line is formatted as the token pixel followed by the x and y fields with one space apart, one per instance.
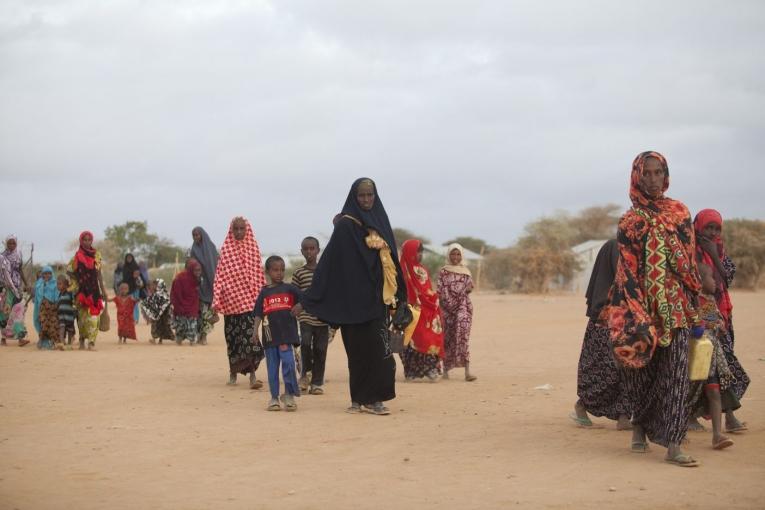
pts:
pixel 473 117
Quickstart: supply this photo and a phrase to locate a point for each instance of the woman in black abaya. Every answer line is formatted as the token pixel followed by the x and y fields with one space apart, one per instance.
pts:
pixel 357 282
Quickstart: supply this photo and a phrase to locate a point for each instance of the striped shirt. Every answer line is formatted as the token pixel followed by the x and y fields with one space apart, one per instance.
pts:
pixel 302 279
pixel 66 308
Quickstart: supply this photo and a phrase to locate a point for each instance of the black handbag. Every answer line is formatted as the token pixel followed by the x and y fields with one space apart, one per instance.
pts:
pixel 396 341
pixel 402 317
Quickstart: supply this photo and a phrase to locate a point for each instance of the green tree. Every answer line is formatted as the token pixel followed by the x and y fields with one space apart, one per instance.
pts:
pixel 132 237
pixel 598 222
pixel 165 251
pixel 402 234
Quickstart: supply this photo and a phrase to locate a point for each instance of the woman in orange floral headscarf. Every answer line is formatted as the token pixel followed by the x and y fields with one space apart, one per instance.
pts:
pixel 651 308
pixel 421 358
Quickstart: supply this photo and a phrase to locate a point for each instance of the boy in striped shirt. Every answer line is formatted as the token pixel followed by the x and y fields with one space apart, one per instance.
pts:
pixel 65 311
pixel 314 334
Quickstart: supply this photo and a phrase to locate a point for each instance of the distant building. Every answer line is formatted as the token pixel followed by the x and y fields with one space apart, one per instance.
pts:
pixel 585 254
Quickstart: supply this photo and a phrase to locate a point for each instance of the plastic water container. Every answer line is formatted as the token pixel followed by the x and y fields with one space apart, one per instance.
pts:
pixel 700 357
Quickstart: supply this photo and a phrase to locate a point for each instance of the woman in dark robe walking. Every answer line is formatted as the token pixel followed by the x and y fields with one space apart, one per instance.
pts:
pixel 204 251
pixel 357 281
pixel 600 382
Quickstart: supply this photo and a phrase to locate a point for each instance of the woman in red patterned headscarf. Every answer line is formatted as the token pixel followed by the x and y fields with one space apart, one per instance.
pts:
pixel 238 280
pixel 421 358
pixel 710 250
pixel 650 311
pixel 87 284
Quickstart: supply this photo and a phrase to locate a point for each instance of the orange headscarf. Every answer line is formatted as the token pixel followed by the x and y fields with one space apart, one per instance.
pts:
pixel 656 276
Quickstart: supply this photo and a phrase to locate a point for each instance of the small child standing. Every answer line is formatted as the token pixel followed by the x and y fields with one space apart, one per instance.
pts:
pixel 276 308
pixel 125 303
pixel 156 308
pixel 46 310
pixel 716 395
pixel 184 295
pixel 314 334
pixel 65 311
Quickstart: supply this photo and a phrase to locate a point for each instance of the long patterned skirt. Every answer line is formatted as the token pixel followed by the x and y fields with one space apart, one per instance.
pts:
pixel 162 328
pixel 740 378
pixel 48 325
pixel 600 382
pixel 87 325
pixel 457 327
pixel 417 364
pixel 12 311
pixel 371 367
pixel 205 323
pixel 244 355
pixel 658 393
pixel 186 328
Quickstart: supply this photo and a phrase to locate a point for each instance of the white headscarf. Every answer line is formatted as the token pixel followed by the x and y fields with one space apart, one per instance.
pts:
pixel 462 267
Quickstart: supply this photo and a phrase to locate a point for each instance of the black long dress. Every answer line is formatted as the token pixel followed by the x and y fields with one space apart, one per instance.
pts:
pixel 347 292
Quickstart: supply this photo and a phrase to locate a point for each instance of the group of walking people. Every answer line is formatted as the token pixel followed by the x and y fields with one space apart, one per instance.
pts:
pixel 654 291
pixel 358 286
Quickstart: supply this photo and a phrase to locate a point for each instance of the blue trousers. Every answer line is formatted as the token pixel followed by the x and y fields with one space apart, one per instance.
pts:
pixel 286 358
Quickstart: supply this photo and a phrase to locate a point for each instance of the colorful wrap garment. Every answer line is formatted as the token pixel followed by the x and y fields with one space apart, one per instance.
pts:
pixel 428 336
pixel 84 269
pixel 45 290
pixel 722 297
pixel 455 283
pixel 239 275
pixel 11 265
pixel 656 276
pixel 12 311
pixel 125 318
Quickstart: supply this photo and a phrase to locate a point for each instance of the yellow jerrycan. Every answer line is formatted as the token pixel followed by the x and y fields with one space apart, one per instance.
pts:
pixel 700 357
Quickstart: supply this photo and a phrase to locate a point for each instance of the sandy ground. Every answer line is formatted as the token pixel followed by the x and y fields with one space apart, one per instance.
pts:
pixel 144 426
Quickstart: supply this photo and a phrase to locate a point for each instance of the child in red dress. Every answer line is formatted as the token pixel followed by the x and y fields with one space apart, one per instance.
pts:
pixel 125 321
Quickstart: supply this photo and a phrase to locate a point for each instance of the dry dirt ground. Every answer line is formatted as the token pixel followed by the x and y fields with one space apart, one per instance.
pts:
pixel 145 426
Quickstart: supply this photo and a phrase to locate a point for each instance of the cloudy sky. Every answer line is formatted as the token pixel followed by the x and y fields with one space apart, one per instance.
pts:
pixel 473 117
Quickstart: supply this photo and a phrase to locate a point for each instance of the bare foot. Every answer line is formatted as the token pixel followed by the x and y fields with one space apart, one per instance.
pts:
pixel 695 426
pixel 231 380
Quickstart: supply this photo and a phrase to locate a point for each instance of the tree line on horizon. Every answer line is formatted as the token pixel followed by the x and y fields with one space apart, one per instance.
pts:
pixel 540 259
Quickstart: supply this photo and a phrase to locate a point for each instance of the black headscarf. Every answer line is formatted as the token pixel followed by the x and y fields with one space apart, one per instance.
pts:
pixel 602 277
pixel 207 255
pixel 127 272
pixel 348 281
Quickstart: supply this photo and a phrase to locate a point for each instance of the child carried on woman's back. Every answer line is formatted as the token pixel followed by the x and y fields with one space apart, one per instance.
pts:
pixel 276 308
pixel 46 310
pixel 125 303
pixel 156 308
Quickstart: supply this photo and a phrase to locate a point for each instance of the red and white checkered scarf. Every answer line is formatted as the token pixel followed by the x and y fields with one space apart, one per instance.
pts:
pixel 239 275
